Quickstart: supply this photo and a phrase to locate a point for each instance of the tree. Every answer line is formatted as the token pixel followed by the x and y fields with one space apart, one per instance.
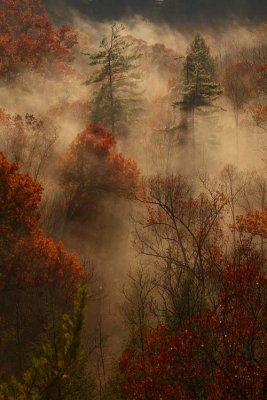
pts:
pixel 179 231
pixel 220 353
pixel 167 132
pixel 36 274
pixel 57 370
pixel 254 223
pixel 199 87
pixel 233 185
pixel 28 39
pixel 238 331
pixel 29 141
pixel 238 86
pixel 91 169
pixel 139 305
pixel 259 115
pixel 117 99
pixel 261 76
pixel 219 349
pixel 169 370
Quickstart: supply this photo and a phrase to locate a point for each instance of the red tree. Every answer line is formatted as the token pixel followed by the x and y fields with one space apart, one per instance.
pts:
pixel 27 256
pixel 222 350
pixel 91 168
pixel 169 369
pixel 29 39
pixel 221 354
pixel 36 274
pixel 238 337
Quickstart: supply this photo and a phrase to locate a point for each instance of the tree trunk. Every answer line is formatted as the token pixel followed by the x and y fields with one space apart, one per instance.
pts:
pixel 111 95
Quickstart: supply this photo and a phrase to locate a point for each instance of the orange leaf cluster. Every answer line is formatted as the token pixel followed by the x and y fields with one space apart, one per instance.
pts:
pixel 259 114
pixel 28 38
pixel 28 258
pixel 91 167
pixel 253 223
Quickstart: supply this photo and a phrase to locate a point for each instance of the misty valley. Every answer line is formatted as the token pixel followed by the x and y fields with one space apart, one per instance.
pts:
pixel 133 203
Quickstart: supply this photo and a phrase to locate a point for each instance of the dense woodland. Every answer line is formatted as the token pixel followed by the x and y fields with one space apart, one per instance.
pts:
pixel 133 210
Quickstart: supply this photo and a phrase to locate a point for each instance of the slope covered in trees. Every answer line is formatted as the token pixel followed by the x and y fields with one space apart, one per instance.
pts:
pixel 170 11
pixel 37 275
pixel 133 213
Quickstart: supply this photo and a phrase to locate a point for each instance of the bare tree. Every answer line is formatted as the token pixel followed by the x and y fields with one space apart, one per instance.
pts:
pixel 139 305
pixel 29 141
pixel 180 232
pixel 239 87
pixel 233 185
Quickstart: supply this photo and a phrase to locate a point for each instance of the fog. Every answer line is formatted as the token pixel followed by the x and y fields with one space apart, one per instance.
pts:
pixel 107 240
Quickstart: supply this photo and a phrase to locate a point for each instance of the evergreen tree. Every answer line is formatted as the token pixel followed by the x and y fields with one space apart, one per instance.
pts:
pixel 200 87
pixel 117 99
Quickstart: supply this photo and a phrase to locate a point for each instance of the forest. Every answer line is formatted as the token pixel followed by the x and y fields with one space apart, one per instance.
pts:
pixel 133 206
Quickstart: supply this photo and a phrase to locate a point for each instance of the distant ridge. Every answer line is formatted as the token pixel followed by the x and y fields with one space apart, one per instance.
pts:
pixel 173 12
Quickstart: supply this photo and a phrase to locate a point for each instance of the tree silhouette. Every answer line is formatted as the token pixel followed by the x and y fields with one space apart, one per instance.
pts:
pixel 117 99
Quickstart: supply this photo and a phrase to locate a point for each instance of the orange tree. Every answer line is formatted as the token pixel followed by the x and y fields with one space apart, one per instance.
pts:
pixel 29 39
pixel 91 169
pixel 37 275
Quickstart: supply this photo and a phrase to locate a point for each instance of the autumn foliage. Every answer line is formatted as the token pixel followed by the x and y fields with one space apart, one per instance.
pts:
pixel 238 334
pixel 167 370
pixel 222 354
pixel 20 196
pixel 92 168
pixel 211 342
pixel 259 115
pixel 29 39
pixel 28 257
pixel 195 306
pixel 35 272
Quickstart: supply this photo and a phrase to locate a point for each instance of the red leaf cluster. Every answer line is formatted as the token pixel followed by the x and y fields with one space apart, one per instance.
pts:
pixel 253 223
pixel 167 370
pixel 221 354
pixel 29 39
pixel 28 258
pixel 91 168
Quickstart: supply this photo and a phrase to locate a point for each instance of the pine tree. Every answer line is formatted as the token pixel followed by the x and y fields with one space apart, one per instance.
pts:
pixel 117 99
pixel 200 87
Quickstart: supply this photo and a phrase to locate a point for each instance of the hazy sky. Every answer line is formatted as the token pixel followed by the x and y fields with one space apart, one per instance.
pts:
pixel 171 11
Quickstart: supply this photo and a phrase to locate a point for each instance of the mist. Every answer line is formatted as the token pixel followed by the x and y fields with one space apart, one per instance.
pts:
pixel 157 142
